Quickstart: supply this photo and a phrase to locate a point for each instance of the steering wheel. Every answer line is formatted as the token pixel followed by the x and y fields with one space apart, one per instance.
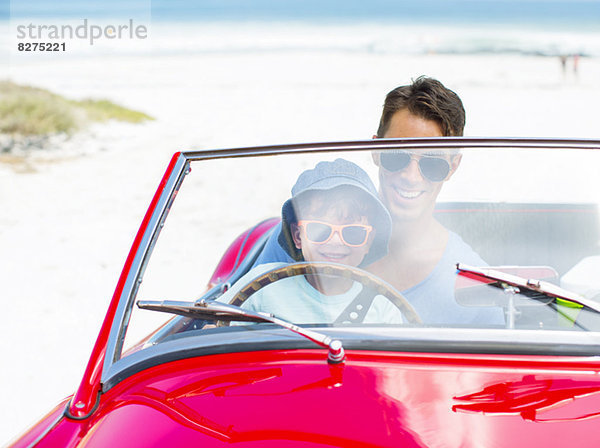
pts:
pixel 323 268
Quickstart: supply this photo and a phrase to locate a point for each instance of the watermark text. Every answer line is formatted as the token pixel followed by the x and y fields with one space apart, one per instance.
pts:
pixel 84 31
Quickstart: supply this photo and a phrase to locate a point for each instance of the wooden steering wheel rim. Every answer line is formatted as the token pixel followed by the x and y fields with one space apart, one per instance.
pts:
pixel 323 268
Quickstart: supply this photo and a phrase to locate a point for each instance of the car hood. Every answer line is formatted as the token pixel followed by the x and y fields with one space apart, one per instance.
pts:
pixel 295 398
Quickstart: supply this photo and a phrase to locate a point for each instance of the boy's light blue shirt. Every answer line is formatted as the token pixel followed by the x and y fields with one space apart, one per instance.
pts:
pixel 296 300
pixel 433 298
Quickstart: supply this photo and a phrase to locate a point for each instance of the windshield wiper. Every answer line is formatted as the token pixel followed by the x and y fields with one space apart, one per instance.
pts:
pixel 543 287
pixel 212 310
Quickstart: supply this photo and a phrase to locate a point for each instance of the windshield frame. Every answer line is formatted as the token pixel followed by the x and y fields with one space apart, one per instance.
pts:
pixel 123 300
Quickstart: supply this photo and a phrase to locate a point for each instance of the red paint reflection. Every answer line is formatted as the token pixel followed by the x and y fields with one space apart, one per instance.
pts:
pixel 530 397
pixel 303 403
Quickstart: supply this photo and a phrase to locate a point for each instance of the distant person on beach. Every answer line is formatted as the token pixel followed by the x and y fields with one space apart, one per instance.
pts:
pixel 422 253
pixel 563 63
pixel 336 216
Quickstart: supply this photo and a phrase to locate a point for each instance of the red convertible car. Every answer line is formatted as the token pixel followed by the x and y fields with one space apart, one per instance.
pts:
pixel 495 344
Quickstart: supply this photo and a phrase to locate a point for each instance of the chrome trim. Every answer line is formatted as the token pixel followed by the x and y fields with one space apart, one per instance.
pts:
pixel 70 416
pixel 550 289
pixel 50 427
pixel 206 309
pixel 136 272
pixel 492 341
pixel 396 143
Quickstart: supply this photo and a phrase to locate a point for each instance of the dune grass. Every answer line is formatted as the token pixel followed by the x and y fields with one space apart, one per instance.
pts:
pixel 102 110
pixel 30 111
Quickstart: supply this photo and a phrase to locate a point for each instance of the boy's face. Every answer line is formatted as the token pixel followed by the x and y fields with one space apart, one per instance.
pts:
pixel 334 250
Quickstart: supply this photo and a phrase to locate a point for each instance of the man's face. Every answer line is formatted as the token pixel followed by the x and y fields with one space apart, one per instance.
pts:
pixel 406 193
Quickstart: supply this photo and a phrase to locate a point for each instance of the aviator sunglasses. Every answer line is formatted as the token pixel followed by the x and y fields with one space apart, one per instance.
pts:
pixel 318 232
pixel 433 168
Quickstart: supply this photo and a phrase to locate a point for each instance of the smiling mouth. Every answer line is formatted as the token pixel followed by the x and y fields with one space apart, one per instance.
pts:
pixel 334 256
pixel 408 194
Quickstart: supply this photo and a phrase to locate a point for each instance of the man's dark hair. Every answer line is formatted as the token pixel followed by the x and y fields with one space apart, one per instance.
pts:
pixel 425 98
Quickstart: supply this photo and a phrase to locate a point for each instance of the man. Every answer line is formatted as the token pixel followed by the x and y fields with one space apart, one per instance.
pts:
pixel 422 253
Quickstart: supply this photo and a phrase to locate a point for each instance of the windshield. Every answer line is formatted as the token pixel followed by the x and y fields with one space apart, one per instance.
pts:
pixel 372 239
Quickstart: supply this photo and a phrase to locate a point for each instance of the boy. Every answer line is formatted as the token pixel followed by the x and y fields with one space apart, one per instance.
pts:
pixel 334 216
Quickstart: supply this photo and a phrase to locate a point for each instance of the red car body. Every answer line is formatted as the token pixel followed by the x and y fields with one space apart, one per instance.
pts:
pixel 279 390
pixel 375 399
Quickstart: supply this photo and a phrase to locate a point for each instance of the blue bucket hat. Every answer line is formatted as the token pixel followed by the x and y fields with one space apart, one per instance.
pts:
pixel 326 176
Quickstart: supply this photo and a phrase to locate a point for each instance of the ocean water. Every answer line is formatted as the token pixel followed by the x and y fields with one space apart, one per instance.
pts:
pixel 528 27
pixel 539 13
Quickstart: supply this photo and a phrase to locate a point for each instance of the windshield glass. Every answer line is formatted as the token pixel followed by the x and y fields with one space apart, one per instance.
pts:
pixel 372 238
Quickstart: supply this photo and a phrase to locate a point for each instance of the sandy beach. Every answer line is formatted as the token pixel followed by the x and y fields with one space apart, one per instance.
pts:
pixel 71 213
